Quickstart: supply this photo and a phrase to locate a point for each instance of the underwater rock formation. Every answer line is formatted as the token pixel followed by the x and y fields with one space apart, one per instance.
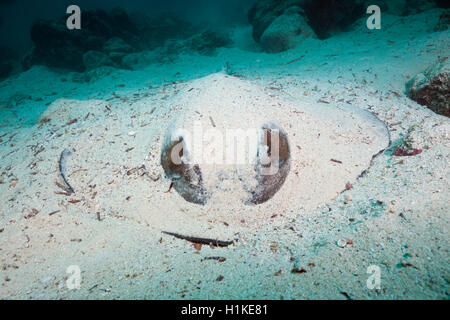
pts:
pixel 444 21
pixel 117 45
pixel 205 42
pixel 5 70
pixel 324 16
pixel 111 35
pixel 208 41
pixel 443 4
pixel 156 30
pixel 96 59
pixel 7 60
pixel 432 87
pixel 402 7
pixel 55 46
pixel 416 6
pixel 286 31
pixel 138 60
pixel 264 12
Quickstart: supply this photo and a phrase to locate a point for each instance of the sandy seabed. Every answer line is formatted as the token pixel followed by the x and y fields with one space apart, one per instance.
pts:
pixel 314 240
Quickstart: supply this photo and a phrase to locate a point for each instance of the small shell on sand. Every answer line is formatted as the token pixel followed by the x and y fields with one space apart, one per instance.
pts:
pixel 342 243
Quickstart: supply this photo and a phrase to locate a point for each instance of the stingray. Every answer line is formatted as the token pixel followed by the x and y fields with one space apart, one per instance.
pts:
pixel 314 150
pixel 236 154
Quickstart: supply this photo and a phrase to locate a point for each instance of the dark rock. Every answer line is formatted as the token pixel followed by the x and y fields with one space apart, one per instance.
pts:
pixel 115 34
pixel 286 31
pixel 204 43
pixel 208 41
pixel 5 70
pixel 96 59
pixel 117 45
pixel 93 75
pixel 116 49
pixel 443 4
pixel 417 6
pixel 401 7
pixel 7 53
pixel 264 12
pixel 7 60
pixel 56 46
pixel 142 59
pixel 104 25
pixel 323 15
pixel 444 21
pixel 156 30
pixel 328 15
pixel 431 88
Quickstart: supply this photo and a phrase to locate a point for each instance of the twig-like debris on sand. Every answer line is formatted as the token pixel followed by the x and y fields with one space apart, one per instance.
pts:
pixel 62 168
pixel 205 241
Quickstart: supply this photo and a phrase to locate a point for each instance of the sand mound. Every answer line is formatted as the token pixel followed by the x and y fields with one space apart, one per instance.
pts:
pixel 65 110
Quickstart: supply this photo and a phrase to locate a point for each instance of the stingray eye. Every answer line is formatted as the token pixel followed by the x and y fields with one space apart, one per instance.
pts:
pixel 272 165
pixel 187 178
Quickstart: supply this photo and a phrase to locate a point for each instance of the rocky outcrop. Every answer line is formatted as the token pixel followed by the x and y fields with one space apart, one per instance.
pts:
pixel 96 59
pixel 431 88
pixel 155 31
pixel 7 60
pixel 264 12
pixel 444 21
pixel 324 16
pixel 402 7
pixel 5 70
pixel 286 31
pixel 205 43
pixel 138 60
pixel 104 40
pixel 56 46
pixel 443 4
pixel 115 39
